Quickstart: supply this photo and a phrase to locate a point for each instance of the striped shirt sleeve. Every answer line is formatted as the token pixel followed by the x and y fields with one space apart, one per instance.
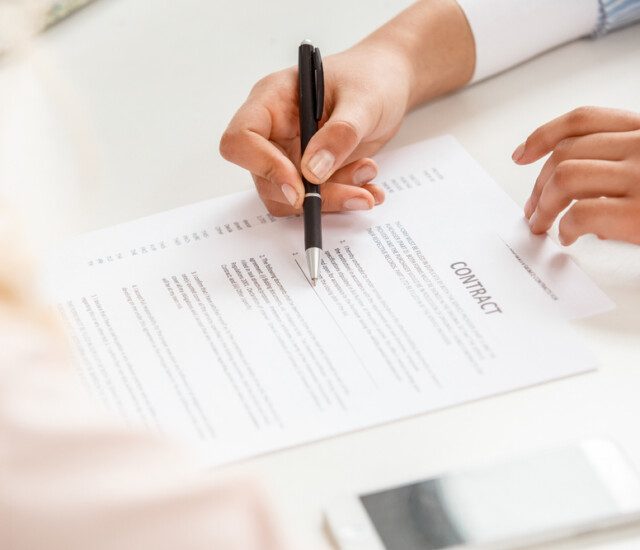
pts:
pixel 615 14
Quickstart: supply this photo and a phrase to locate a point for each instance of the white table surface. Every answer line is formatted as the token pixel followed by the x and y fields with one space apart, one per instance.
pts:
pixel 137 93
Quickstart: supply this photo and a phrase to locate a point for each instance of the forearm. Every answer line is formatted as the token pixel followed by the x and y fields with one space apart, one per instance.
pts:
pixel 444 44
pixel 434 40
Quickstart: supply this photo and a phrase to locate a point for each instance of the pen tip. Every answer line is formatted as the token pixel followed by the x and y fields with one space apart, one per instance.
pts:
pixel 313 261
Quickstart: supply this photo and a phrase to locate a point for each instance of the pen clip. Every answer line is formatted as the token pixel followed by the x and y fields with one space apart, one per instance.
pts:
pixel 318 75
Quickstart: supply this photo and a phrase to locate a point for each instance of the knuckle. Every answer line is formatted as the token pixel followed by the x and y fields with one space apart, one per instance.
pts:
pixel 286 79
pixel 635 140
pixel 634 219
pixel 564 146
pixel 536 137
pixel 563 174
pixel 271 173
pixel 228 144
pixel 273 210
pixel 579 214
pixel 261 186
pixel 263 83
pixel 631 211
pixel 345 132
pixel 543 207
pixel 540 139
pixel 564 228
pixel 580 115
pixel 277 210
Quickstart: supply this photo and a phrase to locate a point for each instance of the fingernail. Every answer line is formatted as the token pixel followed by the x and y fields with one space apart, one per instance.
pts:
pixel 517 154
pixel 321 164
pixel 364 175
pixel 289 194
pixel 562 240
pixel 532 219
pixel 356 204
pixel 527 208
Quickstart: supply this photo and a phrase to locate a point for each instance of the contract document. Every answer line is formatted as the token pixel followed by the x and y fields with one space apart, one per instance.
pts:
pixel 201 322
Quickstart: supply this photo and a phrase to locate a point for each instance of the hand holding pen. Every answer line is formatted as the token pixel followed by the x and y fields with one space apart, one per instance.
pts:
pixel 364 102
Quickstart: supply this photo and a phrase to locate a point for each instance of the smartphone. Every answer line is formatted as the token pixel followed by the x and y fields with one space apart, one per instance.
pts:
pixel 531 500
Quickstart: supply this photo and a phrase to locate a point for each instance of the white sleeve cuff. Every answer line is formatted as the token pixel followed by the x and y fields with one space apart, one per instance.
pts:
pixel 508 32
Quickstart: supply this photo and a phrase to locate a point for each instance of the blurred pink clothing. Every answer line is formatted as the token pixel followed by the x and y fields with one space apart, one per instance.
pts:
pixel 72 478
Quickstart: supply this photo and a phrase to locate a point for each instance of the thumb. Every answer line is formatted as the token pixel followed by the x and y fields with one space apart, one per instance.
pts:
pixel 330 147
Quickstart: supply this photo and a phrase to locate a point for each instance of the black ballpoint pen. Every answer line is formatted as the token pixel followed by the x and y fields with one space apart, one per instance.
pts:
pixel 311 104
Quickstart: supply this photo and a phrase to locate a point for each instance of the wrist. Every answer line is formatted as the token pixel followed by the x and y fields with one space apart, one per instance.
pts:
pixel 393 67
pixel 433 45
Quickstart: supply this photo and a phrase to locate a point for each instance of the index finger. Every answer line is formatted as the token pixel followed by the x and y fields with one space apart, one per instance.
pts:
pixel 246 143
pixel 579 122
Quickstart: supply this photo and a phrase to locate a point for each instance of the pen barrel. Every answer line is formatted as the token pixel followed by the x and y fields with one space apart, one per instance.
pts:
pixel 312 224
pixel 312 204
pixel 307 96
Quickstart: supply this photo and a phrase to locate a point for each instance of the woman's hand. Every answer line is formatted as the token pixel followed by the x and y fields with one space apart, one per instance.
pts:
pixel 425 51
pixel 595 162
pixel 366 97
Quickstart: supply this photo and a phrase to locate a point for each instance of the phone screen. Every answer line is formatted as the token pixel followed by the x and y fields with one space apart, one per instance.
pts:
pixel 514 500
